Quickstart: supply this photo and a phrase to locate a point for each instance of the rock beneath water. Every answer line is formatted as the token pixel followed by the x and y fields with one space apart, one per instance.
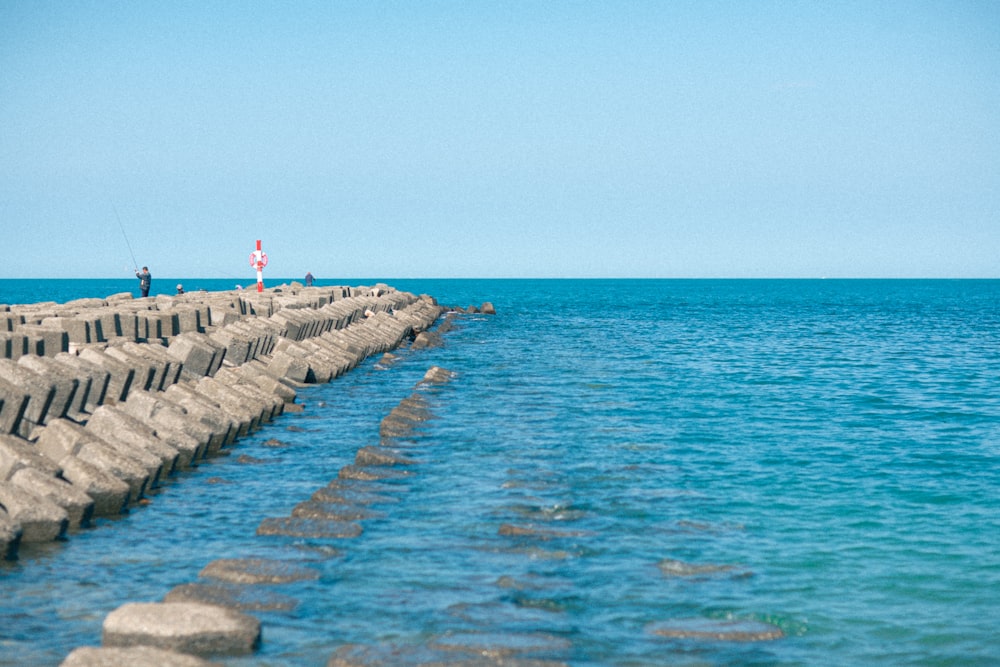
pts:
pixel 243 597
pixel 372 473
pixel 136 656
pixel 676 568
pixel 311 509
pixel 256 571
pixel 380 456
pixel 357 655
pixel 301 527
pixel 713 630
pixel 510 530
pixel 500 645
pixel 187 627
pixel 342 496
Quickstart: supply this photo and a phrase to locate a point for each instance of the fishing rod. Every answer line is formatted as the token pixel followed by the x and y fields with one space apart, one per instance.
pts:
pixel 122 227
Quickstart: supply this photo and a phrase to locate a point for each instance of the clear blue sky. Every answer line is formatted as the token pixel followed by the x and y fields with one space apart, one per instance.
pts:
pixel 501 139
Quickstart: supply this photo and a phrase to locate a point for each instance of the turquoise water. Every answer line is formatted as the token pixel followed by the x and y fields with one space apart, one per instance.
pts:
pixel 825 451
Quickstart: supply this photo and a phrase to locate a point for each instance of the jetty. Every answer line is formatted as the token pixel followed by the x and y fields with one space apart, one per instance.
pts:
pixel 104 399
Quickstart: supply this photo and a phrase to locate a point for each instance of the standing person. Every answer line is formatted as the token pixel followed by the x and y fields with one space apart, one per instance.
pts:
pixel 144 280
pixel 309 279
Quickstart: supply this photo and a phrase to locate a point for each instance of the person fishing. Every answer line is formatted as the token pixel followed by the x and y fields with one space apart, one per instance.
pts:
pixel 144 280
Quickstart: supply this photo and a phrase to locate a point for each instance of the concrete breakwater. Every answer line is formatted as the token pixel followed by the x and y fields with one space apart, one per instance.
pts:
pixel 102 400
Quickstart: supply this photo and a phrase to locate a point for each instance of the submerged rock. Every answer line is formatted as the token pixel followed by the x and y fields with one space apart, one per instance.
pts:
pixel 302 527
pixel 676 568
pixel 233 596
pixel 718 630
pixel 256 571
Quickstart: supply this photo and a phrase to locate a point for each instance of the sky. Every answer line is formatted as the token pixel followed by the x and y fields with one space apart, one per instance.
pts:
pixel 495 139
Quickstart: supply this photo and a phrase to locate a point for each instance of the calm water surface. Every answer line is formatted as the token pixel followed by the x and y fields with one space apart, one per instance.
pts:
pixel 818 456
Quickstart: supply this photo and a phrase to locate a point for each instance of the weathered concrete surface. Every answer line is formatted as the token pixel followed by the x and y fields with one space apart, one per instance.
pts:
pixel 187 627
pixel 63 441
pixel 136 656
pixel 79 506
pixel 41 520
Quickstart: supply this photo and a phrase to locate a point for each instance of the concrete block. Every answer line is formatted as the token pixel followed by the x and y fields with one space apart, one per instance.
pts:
pixel 110 494
pixel 13 404
pixel 93 378
pixel 62 440
pixel 112 424
pixel 232 403
pixel 41 519
pixel 64 384
pixel 79 507
pixel 237 346
pixel 187 627
pixel 40 392
pixel 78 330
pixel 224 426
pixel 116 426
pixel 51 340
pixel 196 353
pixel 168 367
pixel 148 373
pixel 120 375
pixel 171 423
pixel 17 454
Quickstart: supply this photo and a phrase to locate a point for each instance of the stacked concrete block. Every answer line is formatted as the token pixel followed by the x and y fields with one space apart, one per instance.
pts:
pixel 40 394
pixel 170 422
pixel 50 341
pixel 110 397
pixel 64 440
pixel 225 427
pixel 120 374
pixel 13 406
pixel 40 519
pixel 64 385
pixel 77 505
pixel 167 449
pixel 94 378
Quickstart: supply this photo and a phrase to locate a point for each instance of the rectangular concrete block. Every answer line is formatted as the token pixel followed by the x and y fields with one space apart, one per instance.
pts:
pixel 17 454
pixel 129 434
pixel 64 384
pixel 13 404
pixel 120 374
pixel 41 520
pixel 62 440
pixel 109 493
pixel 39 390
pixel 79 507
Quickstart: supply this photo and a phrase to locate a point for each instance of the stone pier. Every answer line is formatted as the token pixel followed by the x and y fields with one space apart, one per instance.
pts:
pixel 102 400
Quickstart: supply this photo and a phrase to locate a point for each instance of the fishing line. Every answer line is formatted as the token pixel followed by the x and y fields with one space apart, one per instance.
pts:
pixel 122 227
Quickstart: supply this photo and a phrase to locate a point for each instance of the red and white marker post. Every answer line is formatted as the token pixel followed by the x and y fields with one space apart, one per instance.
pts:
pixel 258 260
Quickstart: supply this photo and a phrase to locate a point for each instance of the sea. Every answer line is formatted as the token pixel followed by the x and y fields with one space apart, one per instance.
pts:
pixel 619 472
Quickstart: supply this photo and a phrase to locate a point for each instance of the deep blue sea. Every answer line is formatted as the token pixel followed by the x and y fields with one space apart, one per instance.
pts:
pixel 819 456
